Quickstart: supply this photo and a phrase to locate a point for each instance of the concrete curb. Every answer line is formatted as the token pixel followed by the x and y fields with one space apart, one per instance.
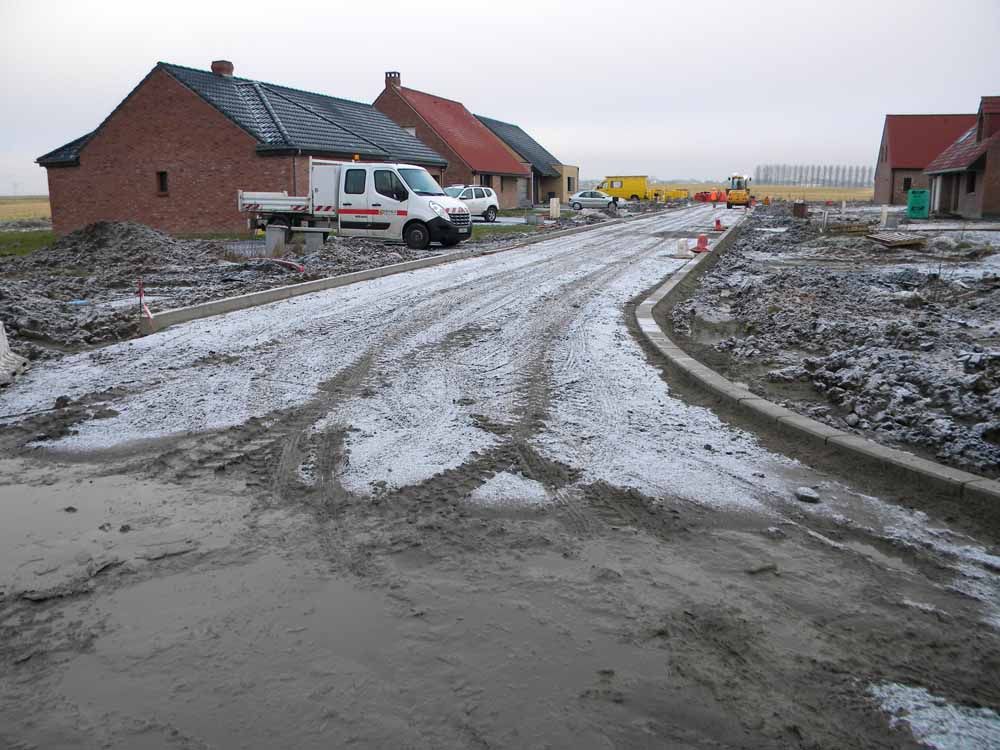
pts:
pixel 972 489
pixel 167 318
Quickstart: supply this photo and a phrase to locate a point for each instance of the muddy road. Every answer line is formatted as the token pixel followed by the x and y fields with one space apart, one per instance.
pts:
pixel 461 507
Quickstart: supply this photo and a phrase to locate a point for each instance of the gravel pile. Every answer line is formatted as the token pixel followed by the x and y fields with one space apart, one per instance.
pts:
pixel 902 346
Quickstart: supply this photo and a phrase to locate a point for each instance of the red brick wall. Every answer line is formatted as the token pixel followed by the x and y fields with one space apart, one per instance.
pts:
pixel 991 183
pixel 393 106
pixel 919 181
pixel 164 126
pixel 883 175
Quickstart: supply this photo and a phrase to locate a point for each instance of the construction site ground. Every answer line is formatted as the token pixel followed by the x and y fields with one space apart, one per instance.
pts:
pixel 899 344
pixel 81 291
pixel 464 507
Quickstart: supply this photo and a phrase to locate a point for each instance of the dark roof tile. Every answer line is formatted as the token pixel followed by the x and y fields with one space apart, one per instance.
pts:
pixel 530 149
pixel 281 118
pixel 962 154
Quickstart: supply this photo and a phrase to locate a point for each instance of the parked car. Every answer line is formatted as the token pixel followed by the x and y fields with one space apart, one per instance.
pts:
pixel 590 199
pixel 481 201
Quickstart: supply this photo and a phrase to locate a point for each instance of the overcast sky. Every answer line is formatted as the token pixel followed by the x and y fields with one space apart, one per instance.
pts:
pixel 693 89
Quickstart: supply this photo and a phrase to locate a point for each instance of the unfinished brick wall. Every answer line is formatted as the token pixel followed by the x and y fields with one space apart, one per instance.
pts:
pixel 919 181
pixel 990 205
pixel 164 127
pixel 883 175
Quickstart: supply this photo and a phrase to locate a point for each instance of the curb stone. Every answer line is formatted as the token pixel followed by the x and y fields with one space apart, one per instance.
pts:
pixel 970 488
pixel 167 318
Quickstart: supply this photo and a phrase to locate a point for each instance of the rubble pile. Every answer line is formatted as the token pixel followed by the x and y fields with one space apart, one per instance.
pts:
pixel 81 291
pixel 899 345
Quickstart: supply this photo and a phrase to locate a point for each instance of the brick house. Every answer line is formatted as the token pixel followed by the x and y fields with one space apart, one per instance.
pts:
pixel 474 154
pixel 909 144
pixel 175 151
pixel 550 178
pixel 965 177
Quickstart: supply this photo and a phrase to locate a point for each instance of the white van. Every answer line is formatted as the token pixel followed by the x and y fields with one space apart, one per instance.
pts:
pixel 387 201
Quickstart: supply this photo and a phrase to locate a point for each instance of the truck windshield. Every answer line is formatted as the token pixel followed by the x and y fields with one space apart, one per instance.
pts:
pixel 420 181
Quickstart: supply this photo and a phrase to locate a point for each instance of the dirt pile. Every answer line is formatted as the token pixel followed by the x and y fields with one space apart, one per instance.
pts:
pixel 81 290
pixel 903 346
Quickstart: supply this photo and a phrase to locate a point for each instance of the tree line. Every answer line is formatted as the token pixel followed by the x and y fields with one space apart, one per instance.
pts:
pixel 816 175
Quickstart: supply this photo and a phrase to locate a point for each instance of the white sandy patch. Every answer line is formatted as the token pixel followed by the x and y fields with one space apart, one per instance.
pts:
pixel 506 489
pixel 937 723
pixel 617 420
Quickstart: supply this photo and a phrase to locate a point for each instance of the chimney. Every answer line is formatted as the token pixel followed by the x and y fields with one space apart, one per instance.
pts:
pixel 392 79
pixel 222 68
pixel 989 117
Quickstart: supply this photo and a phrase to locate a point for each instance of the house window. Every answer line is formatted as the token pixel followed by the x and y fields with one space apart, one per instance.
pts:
pixel 907 184
pixel 486 180
pixel 569 184
pixel 970 182
pixel 161 183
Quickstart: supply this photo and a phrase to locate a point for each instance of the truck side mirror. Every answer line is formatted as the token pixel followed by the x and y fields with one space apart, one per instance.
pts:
pixel 401 194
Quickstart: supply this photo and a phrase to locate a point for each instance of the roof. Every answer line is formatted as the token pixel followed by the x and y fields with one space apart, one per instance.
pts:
pixel 286 119
pixel 914 140
pixel 467 136
pixel 66 155
pixel 529 149
pixel 990 105
pixel 963 153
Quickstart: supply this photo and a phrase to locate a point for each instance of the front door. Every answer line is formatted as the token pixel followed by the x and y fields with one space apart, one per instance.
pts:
pixel 354 211
pixel 388 197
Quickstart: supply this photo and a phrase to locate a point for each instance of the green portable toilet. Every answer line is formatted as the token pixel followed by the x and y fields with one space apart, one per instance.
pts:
pixel 918 204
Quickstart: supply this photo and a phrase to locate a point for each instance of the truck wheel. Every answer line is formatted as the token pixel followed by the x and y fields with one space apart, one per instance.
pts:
pixel 634 198
pixel 577 206
pixel 416 236
pixel 491 214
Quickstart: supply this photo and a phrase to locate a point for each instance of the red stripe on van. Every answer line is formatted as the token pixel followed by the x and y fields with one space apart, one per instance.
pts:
pixel 360 211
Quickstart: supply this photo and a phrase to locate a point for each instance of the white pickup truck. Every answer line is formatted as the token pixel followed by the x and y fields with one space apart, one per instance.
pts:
pixel 354 199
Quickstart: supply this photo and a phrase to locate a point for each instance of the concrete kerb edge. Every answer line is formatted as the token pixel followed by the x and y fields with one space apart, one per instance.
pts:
pixel 167 318
pixel 963 484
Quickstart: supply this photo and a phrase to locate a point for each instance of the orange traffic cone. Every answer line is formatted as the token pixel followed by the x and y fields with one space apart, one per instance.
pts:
pixel 702 246
pixel 718 224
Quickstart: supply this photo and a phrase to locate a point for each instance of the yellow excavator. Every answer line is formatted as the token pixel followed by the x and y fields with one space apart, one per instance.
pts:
pixel 738 192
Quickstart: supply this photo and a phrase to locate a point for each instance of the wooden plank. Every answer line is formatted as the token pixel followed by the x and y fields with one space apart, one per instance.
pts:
pixel 897 239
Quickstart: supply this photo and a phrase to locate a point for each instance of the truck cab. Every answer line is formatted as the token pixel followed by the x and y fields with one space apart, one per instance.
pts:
pixel 377 200
pixel 738 192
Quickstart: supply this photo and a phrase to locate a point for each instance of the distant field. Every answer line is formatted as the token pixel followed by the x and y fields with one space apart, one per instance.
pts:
pixel 793 193
pixel 24 207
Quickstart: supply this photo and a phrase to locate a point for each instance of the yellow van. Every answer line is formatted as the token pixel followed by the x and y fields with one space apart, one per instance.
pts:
pixel 629 187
